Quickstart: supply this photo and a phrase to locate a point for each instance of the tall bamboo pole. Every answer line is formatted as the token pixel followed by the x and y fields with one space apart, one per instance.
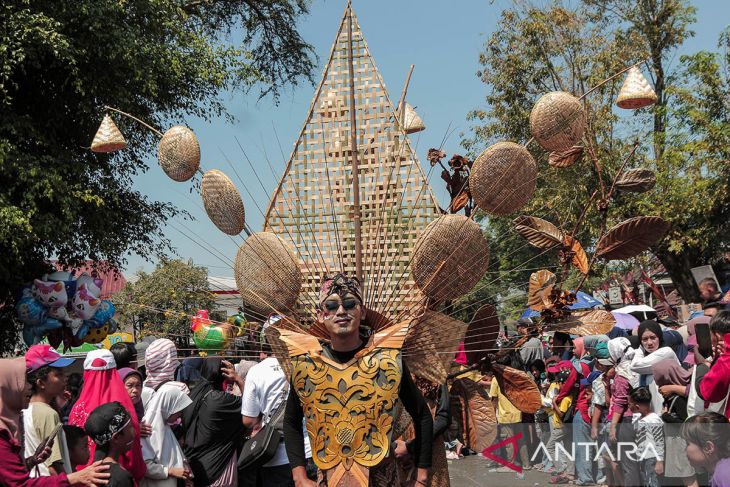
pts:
pixel 353 151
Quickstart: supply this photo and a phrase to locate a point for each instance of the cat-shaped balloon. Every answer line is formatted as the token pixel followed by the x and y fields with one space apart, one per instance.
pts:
pixel 93 284
pixel 50 294
pixel 85 304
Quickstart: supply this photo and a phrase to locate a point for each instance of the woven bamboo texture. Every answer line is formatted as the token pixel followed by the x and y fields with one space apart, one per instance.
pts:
pixel 179 153
pixel 636 91
pixel 428 343
pixel 412 122
pixel 315 193
pixel 450 257
pixel 557 121
pixel 108 138
pixel 503 178
pixel 222 202
pixel 267 274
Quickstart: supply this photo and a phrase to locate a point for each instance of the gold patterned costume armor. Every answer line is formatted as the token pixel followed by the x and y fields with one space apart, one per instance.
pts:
pixel 350 407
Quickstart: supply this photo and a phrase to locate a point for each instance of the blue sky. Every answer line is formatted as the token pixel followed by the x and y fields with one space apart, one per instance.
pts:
pixel 443 40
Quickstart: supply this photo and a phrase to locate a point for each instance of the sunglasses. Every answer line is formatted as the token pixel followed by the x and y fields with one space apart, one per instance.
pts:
pixel 333 305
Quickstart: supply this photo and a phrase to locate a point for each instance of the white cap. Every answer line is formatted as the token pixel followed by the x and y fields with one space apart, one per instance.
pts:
pixel 101 359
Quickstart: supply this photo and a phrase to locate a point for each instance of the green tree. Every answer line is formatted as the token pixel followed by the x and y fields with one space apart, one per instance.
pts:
pixel 61 61
pixel 162 302
pixel 684 138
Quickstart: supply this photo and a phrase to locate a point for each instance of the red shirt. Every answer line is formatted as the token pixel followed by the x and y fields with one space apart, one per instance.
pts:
pixel 716 382
pixel 12 467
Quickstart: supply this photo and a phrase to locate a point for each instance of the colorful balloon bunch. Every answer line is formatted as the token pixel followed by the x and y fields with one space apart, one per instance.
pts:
pixel 66 309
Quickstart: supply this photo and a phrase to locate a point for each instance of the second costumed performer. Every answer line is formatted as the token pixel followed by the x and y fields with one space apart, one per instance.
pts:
pixel 350 390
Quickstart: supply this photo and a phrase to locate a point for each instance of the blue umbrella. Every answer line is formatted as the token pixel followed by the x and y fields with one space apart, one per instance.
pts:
pixel 585 301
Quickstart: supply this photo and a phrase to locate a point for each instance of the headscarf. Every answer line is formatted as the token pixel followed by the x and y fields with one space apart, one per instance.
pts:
pixel 674 340
pixel 12 388
pixel 102 384
pixel 652 326
pixel 212 425
pixel 138 406
pixel 160 362
pixel 621 354
pixel 162 446
pixel 340 284
pixel 189 371
pixel 616 332
pixel 669 372
pixel 579 347
pixel 103 423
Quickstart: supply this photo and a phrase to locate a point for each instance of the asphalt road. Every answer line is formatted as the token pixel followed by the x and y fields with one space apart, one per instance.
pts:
pixel 472 471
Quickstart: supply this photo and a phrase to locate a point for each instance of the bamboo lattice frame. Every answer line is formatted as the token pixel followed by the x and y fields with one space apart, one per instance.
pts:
pixel 396 201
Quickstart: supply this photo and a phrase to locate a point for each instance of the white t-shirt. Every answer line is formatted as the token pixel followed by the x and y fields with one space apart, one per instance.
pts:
pixel 649 436
pixel 262 393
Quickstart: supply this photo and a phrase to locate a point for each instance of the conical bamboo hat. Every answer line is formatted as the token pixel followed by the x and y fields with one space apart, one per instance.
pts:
pixel 636 91
pixel 108 138
pixel 412 122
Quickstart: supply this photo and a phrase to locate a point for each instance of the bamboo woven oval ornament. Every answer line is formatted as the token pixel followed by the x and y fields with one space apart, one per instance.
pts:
pixel 503 178
pixel 636 180
pixel 557 121
pixel 636 91
pixel 481 335
pixel 222 202
pixel 631 237
pixel 412 122
pixel 179 153
pixel 108 138
pixel 449 257
pixel 268 275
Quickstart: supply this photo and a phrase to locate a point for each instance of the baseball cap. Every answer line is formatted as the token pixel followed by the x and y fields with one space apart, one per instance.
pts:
pixel 38 356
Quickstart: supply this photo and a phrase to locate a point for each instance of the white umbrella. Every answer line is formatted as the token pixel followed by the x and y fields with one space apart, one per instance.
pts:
pixel 640 311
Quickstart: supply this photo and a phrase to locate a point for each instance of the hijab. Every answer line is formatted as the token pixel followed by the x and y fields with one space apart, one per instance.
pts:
pixel 160 362
pixel 138 406
pixel 669 372
pixel 579 347
pixel 652 326
pixel 189 371
pixel 12 388
pixel 621 353
pixel 673 339
pixel 162 446
pixel 212 424
pixel 102 385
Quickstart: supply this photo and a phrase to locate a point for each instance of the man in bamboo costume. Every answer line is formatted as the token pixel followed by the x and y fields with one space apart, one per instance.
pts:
pixel 349 390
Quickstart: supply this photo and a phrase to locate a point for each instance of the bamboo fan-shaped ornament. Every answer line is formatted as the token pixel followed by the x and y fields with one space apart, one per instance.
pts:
pixel 557 121
pixel 179 153
pixel 636 91
pixel 267 274
pixel 222 202
pixel 503 178
pixel 449 257
pixel 412 122
pixel 108 138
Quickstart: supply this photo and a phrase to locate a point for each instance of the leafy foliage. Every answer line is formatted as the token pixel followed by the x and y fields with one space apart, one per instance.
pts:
pixel 684 138
pixel 162 302
pixel 62 61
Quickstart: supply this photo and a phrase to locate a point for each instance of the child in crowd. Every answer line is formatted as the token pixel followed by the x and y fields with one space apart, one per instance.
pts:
pixel 648 427
pixel 44 367
pixel 78 446
pixel 708 446
pixel 110 427
pixel 556 417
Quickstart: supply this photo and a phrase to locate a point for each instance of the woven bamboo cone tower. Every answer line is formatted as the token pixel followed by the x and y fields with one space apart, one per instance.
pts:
pixel 316 191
